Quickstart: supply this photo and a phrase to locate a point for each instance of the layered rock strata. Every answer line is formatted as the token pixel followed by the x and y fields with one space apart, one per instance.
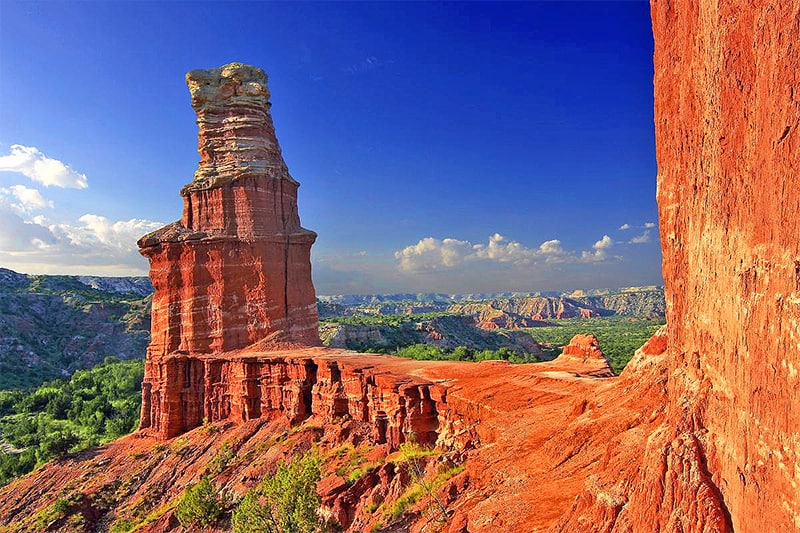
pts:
pixel 235 270
pixel 727 115
pixel 584 352
pixel 292 385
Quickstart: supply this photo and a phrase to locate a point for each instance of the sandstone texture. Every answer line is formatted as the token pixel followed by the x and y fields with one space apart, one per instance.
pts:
pixel 727 112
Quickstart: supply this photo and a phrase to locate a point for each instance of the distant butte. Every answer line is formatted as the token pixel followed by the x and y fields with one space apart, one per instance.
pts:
pixel 699 434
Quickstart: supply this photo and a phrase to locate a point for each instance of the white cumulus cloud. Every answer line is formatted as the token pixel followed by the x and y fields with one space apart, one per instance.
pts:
pixel 18 235
pixel 431 254
pixel 439 254
pixel 91 245
pixel 23 199
pixel 604 243
pixel 649 224
pixel 30 162
pixel 552 248
pixel 641 239
pixel 625 226
pixel 99 233
pixel 600 252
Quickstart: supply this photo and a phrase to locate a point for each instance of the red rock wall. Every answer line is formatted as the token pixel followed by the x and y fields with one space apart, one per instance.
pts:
pixel 725 458
pixel 727 113
pixel 217 295
pixel 184 392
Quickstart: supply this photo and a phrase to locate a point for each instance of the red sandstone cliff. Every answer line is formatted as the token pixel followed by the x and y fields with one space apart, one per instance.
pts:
pixel 727 455
pixel 727 113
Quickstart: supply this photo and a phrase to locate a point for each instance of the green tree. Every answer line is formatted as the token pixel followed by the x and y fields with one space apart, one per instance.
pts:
pixel 290 500
pixel 251 516
pixel 200 506
pixel 56 445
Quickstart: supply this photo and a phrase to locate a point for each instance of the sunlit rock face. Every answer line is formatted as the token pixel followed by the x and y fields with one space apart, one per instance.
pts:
pixel 728 147
pixel 727 112
pixel 235 271
pixel 698 434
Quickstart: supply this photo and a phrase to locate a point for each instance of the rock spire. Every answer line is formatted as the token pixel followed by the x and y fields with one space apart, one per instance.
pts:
pixel 235 270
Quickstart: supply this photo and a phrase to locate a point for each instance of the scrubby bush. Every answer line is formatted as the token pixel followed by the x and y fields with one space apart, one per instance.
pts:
pixel 200 506
pixel 251 516
pixel 284 503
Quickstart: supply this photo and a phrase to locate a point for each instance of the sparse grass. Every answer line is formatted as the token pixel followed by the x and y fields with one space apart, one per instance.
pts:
pixel 360 471
pixel 355 464
pixel 446 475
pixel 412 450
pixel 153 516
pixel 58 509
pixel 221 460
pixel 306 426
pixel 210 428
pixel 415 492
pixel 412 494
pixel 122 525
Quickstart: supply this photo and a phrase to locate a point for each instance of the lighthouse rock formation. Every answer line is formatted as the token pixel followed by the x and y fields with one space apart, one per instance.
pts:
pixel 235 270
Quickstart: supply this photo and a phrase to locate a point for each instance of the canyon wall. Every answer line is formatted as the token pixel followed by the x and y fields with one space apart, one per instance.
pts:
pixel 726 457
pixel 727 113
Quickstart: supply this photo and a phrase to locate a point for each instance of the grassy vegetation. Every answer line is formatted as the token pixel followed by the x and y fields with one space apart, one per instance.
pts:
pixel 619 336
pixel 201 505
pixel 381 320
pixel 61 416
pixel 426 352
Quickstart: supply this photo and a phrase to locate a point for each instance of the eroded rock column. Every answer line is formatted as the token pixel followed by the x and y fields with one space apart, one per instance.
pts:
pixel 235 271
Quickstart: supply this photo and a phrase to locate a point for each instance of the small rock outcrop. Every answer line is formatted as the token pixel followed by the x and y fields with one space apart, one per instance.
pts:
pixel 584 352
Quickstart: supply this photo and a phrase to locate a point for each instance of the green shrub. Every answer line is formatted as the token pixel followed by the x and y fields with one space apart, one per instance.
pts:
pixel 200 506
pixel 56 445
pixel 284 503
pixel 251 516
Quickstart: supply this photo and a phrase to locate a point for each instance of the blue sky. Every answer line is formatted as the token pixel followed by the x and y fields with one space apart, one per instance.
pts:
pixel 451 147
